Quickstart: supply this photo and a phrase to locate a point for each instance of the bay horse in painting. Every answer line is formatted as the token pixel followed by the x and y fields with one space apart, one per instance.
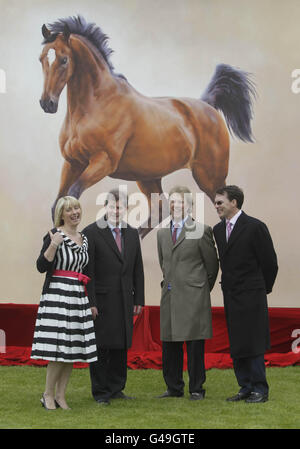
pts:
pixel 110 129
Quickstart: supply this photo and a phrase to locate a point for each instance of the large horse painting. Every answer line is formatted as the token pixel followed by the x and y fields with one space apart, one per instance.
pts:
pixel 110 129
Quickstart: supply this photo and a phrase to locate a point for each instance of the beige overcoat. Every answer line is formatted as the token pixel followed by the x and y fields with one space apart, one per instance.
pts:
pixel 190 267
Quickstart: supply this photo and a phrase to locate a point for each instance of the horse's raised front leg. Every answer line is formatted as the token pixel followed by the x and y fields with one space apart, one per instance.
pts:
pixel 99 166
pixel 70 172
pixel 158 205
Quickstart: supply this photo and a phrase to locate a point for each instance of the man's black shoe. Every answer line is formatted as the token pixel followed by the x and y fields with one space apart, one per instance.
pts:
pixel 197 396
pixel 103 401
pixel 121 395
pixel 256 397
pixel 238 397
pixel 169 394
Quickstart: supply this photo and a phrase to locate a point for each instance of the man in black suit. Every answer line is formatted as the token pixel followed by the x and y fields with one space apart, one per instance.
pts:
pixel 249 268
pixel 116 293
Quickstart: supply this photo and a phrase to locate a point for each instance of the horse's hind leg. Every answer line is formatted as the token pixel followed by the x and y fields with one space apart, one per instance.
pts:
pixel 158 205
pixel 210 174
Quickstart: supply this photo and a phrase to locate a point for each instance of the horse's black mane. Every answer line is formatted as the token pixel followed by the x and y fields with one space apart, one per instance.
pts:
pixel 91 31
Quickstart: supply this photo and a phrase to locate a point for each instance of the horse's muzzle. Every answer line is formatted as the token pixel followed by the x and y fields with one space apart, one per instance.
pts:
pixel 49 105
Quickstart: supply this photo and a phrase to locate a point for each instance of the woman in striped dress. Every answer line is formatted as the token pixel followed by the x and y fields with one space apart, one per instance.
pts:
pixel 64 330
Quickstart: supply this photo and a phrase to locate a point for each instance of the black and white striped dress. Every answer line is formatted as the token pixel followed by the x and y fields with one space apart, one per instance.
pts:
pixel 64 330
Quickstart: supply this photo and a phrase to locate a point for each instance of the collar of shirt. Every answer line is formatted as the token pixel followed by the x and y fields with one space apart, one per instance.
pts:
pixel 179 224
pixel 233 219
pixel 112 227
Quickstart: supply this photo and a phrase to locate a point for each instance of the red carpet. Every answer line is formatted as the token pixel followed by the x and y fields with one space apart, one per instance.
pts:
pixel 17 321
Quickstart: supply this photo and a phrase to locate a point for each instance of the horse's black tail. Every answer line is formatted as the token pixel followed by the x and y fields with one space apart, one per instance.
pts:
pixel 232 91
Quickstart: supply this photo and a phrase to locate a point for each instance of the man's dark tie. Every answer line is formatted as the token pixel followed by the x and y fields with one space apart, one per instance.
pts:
pixel 118 238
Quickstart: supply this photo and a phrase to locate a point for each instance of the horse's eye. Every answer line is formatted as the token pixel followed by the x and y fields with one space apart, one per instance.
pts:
pixel 64 60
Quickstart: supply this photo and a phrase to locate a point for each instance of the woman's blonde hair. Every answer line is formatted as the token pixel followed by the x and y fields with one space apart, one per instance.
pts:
pixel 62 203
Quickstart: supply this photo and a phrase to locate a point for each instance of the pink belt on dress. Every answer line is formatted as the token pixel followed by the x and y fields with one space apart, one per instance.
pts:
pixel 73 274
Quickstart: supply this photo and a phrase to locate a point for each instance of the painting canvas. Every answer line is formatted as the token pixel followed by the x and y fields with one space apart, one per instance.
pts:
pixel 168 56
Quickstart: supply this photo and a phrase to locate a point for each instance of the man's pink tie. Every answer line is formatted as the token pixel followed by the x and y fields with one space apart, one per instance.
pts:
pixel 229 229
pixel 118 238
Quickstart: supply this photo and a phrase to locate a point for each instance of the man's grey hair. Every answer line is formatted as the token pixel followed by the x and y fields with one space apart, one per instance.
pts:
pixel 185 193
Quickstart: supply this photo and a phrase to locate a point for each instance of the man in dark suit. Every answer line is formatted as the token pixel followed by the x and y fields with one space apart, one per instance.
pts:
pixel 116 293
pixel 249 268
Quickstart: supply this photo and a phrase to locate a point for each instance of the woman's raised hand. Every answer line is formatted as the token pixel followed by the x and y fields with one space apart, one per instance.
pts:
pixel 56 238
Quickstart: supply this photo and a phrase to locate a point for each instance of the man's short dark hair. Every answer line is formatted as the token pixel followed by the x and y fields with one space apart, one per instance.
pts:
pixel 233 193
pixel 116 195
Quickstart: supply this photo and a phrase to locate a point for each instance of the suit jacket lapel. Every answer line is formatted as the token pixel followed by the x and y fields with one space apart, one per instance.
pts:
pixel 125 243
pixel 222 238
pixel 237 229
pixel 181 237
pixel 106 233
pixel 168 236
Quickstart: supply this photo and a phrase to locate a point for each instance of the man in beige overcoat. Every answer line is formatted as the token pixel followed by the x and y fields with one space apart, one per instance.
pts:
pixel 188 259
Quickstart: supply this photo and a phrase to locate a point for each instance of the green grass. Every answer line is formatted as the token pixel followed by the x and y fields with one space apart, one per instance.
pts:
pixel 21 388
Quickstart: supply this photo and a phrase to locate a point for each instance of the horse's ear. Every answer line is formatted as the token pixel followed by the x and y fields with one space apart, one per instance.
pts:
pixel 46 33
pixel 66 32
